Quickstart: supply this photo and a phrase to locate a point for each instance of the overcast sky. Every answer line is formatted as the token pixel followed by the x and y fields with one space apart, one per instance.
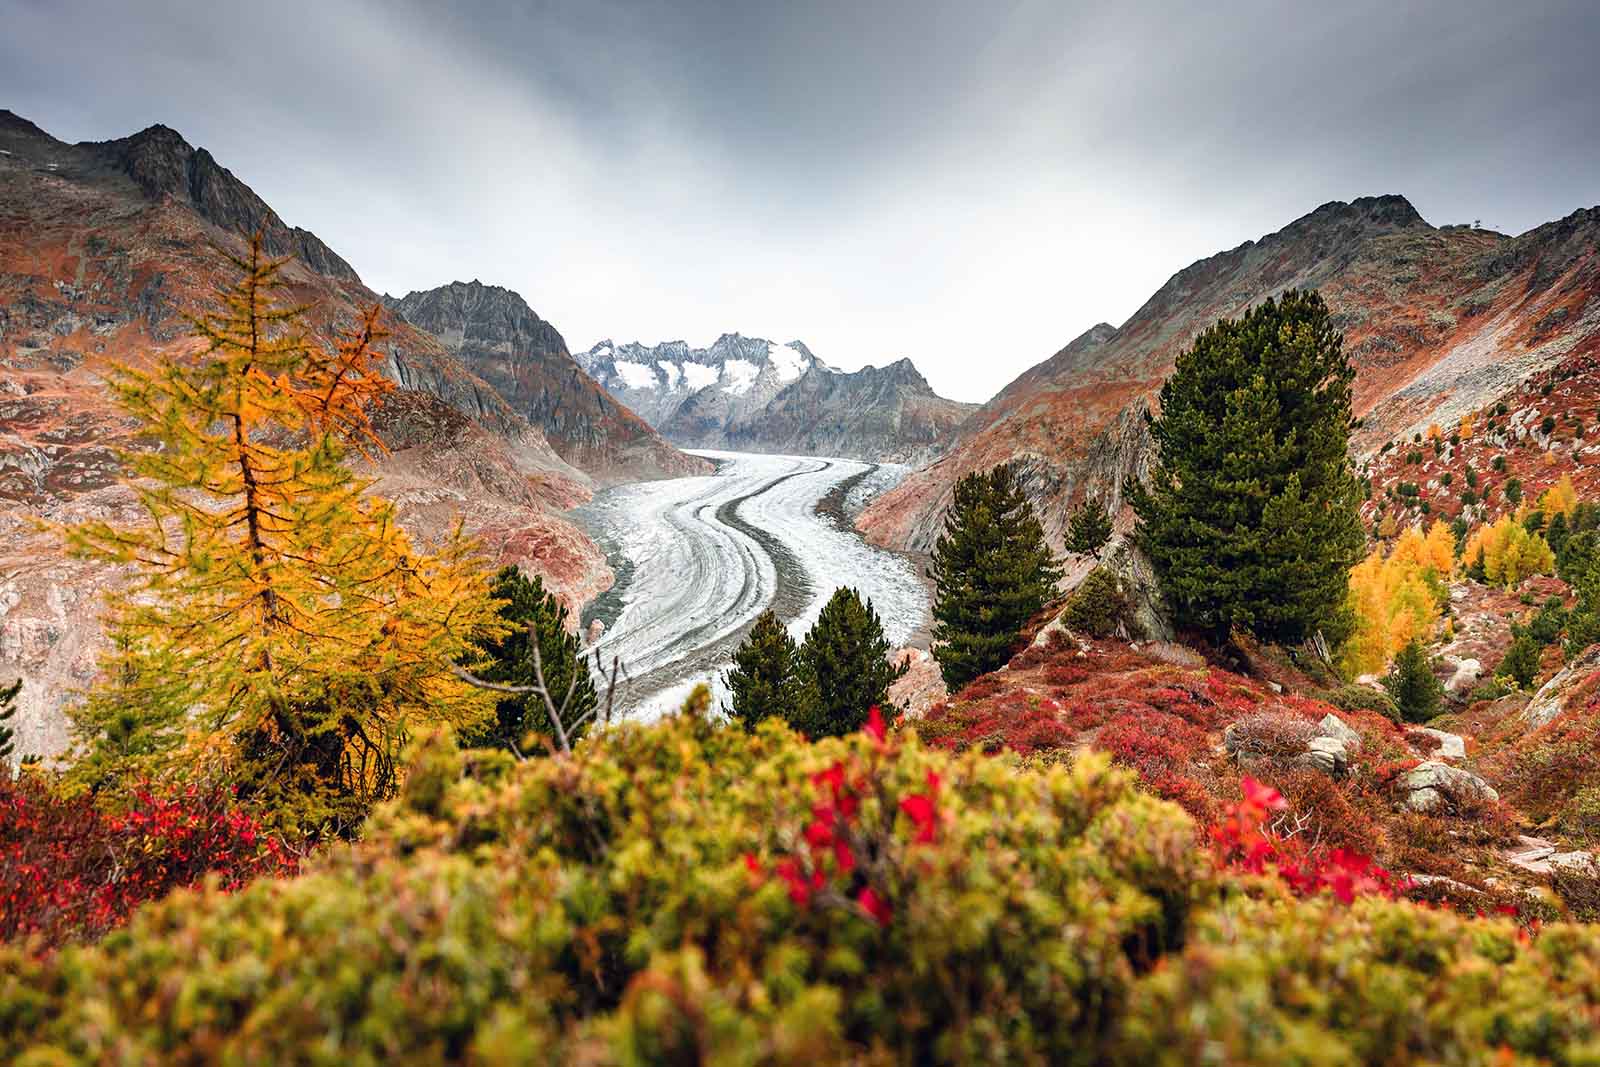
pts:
pixel 971 184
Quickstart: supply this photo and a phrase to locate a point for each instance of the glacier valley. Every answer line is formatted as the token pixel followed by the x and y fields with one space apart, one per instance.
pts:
pixel 697 559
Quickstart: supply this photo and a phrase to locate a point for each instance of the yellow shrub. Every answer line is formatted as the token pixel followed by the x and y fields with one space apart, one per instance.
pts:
pixel 1561 497
pixel 1509 552
pixel 1396 597
pixel 1466 427
pixel 1437 550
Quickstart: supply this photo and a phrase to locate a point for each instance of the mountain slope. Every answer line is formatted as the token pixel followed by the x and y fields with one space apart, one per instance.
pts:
pixel 750 394
pixel 499 338
pixel 1437 321
pixel 102 246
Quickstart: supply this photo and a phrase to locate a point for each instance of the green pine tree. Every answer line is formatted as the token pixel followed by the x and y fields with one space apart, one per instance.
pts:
pixel 1411 682
pixel 844 661
pixel 1520 664
pixel 8 710
pixel 993 571
pixel 508 660
pixel 1249 516
pixel 766 679
pixel 1089 529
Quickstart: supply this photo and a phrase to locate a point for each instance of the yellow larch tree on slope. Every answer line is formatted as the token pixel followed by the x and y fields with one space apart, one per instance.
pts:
pixel 280 627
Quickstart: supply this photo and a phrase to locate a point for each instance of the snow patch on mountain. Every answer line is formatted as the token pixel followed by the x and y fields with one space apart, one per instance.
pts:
pixel 788 361
pixel 635 375
pixel 672 371
pixel 700 376
pixel 738 376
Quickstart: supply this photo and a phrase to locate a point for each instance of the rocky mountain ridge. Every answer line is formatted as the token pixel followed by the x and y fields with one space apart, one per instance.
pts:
pixel 499 338
pixel 1438 321
pixel 751 394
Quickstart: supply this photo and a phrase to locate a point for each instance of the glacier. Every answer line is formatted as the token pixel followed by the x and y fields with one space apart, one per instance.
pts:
pixel 698 559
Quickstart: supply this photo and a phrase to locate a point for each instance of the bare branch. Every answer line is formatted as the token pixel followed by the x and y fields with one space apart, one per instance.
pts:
pixel 495 687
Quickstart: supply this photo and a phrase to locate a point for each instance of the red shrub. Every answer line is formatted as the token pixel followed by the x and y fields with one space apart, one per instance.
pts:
pixel 1424 743
pixel 985 685
pixel 1155 744
pixel 69 870
pixel 1188 794
pixel 1326 813
pixel 1244 842
pixel 1013 722
pixel 1066 674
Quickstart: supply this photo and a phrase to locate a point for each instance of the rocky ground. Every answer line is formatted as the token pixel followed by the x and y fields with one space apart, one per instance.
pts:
pixel 1477 806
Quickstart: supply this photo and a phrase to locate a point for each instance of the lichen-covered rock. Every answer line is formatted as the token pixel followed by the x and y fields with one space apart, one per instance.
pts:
pixel 1435 787
pixel 1463 677
pixel 1451 746
pixel 1335 727
pixel 1330 755
pixel 1552 698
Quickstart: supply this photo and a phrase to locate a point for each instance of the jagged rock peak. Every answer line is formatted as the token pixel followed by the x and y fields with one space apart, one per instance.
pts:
pixel 11 122
pixel 472 310
pixel 1390 209
pixel 162 164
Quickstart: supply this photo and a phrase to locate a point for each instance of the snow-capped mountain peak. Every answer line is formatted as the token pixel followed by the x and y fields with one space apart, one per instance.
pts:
pixel 748 392
pixel 654 380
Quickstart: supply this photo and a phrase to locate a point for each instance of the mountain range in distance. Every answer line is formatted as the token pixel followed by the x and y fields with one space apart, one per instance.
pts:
pixel 750 394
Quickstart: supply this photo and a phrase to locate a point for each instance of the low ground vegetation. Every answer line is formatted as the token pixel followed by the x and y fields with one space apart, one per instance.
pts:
pixel 690 892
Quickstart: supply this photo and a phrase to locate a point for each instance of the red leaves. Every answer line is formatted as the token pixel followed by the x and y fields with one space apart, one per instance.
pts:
pixel 1260 797
pixel 842 858
pixel 920 809
pixel 69 870
pixel 875 906
pixel 1244 843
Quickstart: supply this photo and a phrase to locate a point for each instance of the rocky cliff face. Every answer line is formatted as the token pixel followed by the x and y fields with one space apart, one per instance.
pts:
pixel 1439 322
pixel 749 394
pixel 497 336
pixel 101 247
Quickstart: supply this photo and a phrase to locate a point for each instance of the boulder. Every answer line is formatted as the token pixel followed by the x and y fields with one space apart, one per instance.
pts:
pixel 1280 740
pixel 1329 755
pixel 1463 677
pixel 1532 854
pixel 1436 787
pixel 1583 863
pixel 1551 699
pixel 1333 726
pixel 1451 746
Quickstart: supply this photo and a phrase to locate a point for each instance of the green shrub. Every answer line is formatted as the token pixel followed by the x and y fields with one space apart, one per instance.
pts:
pixel 1493 689
pixel 1100 606
pixel 1361 698
pixel 632 904
pixel 1411 682
pixel 1382 982
pixel 647 900
pixel 1521 661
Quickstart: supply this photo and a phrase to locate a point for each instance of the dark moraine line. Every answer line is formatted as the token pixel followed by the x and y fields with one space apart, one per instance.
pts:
pixel 831 506
pixel 790 594
pixel 793 586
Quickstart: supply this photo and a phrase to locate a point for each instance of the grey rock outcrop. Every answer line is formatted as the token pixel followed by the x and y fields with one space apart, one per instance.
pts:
pixel 1451 746
pixel 499 338
pixel 1550 700
pixel 1435 788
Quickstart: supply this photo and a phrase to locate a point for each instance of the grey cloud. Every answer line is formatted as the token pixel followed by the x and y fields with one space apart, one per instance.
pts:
pixel 969 184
